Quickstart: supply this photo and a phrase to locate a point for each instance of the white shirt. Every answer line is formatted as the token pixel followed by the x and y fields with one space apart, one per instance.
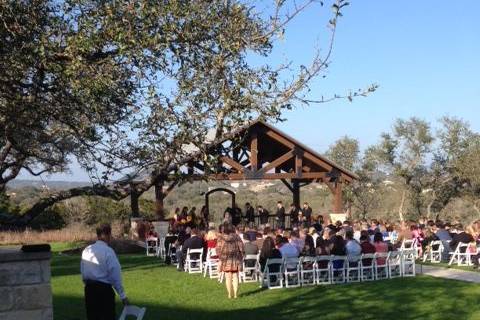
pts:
pixel 99 263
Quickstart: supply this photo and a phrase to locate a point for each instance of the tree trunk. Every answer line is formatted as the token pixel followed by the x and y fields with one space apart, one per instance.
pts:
pixel 402 204
pixel 430 204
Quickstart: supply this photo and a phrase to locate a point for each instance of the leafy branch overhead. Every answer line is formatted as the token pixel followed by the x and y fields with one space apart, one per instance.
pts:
pixel 121 86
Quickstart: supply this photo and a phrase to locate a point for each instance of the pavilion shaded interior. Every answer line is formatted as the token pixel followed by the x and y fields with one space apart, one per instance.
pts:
pixel 260 151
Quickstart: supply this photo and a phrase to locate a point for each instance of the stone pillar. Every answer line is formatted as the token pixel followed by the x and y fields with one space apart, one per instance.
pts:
pixel 25 291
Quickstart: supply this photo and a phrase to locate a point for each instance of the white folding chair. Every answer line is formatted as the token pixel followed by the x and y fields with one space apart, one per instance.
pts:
pixel 211 264
pixel 292 272
pixel 353 269
pixel 307 271
pixel 408 263
pixel 434 252
pixel 381 265
pixel 193 261
pixel 323 270
pixel 367 267
pixel 152 246
pixel 250 268
pixel 135 311
pixel 411 244
pixel 161 253
pixel 337 269
pixel 462 255
pixel 273 274
pixel 394 264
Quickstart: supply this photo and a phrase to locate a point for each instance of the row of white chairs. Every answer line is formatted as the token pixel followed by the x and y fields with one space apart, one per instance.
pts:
pixel 303 271
pixel 324 270
pixel 438 251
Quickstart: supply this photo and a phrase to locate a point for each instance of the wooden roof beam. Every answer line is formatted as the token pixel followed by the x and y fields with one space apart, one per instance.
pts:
pixel 277 162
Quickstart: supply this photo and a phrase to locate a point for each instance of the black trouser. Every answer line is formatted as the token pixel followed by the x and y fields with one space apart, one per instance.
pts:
pixel 99 301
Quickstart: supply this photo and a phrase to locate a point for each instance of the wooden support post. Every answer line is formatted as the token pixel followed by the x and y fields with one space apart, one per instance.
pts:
pixel 159 196
pixel 296 193
pixel 337 198
pixel 298 163
pixel 134 202
pixel 254 152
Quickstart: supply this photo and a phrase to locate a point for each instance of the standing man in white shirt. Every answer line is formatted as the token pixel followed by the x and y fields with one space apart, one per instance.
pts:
pixel 100 272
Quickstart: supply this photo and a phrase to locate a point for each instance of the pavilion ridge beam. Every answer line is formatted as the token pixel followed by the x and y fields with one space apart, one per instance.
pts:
pixel 279 138
pixel 316 160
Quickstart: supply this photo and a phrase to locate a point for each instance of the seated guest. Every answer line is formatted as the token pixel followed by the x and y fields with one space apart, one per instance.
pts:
pixel 309 247
pixel 441 233
pixel 367 247
pixel 313 232
pixel 211 239
pixel 337 246
pixel 194 242
pixel 460 237
pixel 322 248
pixel 250 246
pixel 286 248
pixel 379 244
pixel 296 241
pixel 268 251
pixel 352 247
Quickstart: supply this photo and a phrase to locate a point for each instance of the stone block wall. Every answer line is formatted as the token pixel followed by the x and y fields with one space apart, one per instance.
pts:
pixel 25 291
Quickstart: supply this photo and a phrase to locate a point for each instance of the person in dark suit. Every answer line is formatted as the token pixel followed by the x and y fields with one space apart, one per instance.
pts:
pixel 307 214
pixel 249 214
pixel 263 213
pixel 237 215
pixel 460 237
pixel 194 242
pixel 280 215
pixel 293 213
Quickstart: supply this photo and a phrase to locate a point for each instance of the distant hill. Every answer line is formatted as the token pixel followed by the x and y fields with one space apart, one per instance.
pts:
pixel 57 185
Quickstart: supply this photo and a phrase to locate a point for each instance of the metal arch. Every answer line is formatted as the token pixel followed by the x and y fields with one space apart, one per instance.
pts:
pixel 207 196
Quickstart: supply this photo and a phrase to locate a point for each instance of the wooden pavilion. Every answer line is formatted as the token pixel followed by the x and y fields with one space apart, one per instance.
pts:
pixel 260 151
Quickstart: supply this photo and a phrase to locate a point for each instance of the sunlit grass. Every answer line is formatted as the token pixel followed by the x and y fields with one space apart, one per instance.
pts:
pixel 169 294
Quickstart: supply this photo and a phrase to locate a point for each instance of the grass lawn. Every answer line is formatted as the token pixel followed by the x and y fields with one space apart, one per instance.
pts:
pixel 169 294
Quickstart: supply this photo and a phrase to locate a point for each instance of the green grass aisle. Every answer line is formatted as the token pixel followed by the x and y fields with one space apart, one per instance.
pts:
pixel 169 294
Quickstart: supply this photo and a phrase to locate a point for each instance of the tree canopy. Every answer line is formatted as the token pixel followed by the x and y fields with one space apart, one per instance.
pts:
pixel 126 85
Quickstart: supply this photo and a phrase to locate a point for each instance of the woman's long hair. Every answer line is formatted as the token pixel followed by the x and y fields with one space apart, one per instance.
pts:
pixel 267 248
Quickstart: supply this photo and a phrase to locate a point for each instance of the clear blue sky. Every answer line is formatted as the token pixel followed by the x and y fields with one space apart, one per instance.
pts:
pixel 423 54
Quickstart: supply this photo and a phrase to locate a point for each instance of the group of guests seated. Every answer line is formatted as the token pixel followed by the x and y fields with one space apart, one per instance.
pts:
pixel 233 243
pixel 347 238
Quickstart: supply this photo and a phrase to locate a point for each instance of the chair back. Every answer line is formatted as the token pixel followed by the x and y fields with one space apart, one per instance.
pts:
pixel 274 265
pixel 307 262
pixel 132 311
pixel 195 254
pixel 292 263
pixel 381 258
pixel 211 252
pixel 367 259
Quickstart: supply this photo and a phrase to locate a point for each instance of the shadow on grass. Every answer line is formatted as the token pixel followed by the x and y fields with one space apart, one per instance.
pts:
pixel 419 298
